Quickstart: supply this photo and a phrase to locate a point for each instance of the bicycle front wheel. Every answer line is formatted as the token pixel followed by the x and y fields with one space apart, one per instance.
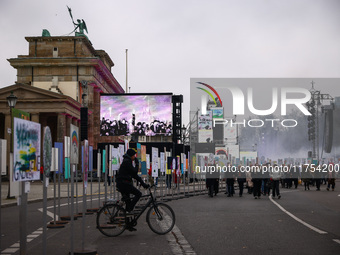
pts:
pixel 160 218
pixel 111 220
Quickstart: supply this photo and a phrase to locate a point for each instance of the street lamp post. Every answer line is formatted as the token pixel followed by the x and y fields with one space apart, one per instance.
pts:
pixel 12 100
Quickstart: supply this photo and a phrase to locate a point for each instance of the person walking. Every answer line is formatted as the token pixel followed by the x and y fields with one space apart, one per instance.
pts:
pixel 168 175
pixel 265 181
pixel 331 181
pixel 210 186
pixel 306 177
pixel 317 177
pixel 241 179
pixel 108 178
pixel 212 183
pixel 230 186
pixel 216 186
pixel 295 174
pixel 41 173
pixel 250 184
pixel 276 176
pixel 257 180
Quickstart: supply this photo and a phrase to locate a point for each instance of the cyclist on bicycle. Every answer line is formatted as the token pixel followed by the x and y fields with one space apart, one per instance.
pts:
pixel 126 172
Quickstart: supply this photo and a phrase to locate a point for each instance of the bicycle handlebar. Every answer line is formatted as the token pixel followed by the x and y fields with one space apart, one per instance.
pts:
pixel 153 185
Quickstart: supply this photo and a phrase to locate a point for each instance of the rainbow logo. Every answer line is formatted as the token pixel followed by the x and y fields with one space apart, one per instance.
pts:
pixel 74 138
pixel 209 93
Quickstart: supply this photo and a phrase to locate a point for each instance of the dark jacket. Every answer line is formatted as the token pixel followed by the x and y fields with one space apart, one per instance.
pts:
pixel 241 176
pixel 127 171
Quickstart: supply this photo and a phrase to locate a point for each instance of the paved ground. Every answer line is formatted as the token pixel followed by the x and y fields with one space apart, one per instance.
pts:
pixel 248 226
pixel 219 225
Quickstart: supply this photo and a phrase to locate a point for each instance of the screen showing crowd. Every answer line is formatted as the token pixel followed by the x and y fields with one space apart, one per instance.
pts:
pixel 145 115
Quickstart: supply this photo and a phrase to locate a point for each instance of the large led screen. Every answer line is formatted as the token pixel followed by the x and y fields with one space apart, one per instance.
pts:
pixel 135 114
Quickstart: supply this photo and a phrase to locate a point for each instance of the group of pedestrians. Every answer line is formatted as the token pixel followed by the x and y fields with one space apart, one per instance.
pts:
pixel 316 179
pixel 257 182
pixel 261 183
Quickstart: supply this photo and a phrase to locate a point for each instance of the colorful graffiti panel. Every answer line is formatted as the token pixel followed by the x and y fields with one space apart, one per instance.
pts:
pixel 74 133
pixel 26 136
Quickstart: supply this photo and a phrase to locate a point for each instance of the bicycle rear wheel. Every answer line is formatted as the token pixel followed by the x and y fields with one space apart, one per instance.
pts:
pixel 160 218
pixel 111 220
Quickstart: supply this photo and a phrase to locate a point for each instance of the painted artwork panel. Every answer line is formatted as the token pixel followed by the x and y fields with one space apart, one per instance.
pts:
pixel 148 161
pixel 221 151
pixel 67 168
pixel 162 164
pixel 234 150
pixel 217 112
pixel 143 168
pixel 154 162
pixel 99 164
pixel 74 153
pixel 60 148
pixel 104 162
pixel 121 150
pixel 205 128
pixel 86 162
pixel 139 151
pixel 27 139
pixel 230 132
pixel 143 151
pixel 90 158
pixel 47 151
pixel 67 146
pixel 115 159
pixel 205 136
pixel 3 157
pixel 205 121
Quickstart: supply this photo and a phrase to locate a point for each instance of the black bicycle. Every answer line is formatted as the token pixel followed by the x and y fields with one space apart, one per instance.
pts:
pixel 112 218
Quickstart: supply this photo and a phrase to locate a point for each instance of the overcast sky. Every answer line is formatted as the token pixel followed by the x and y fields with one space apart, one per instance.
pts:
pixel 170 42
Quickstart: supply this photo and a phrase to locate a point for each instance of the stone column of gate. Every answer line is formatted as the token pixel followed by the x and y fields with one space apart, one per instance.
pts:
pixel 61 129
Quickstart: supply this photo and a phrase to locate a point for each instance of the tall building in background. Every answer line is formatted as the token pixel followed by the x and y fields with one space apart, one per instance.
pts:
pixel 60 75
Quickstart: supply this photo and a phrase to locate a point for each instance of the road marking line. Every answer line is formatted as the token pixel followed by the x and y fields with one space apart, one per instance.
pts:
pixel 32 236
pixel 57 216
pixel 16 246
pixel 336 240
pixel 287 191
pixel 297 219
pixel 10 250
pixel 65 204
pixel 48 213
pixel 177 242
